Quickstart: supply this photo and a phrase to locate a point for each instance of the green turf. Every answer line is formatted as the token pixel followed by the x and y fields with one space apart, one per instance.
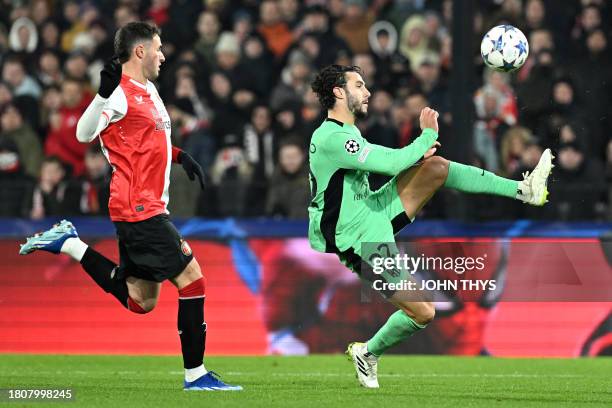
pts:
pixel 317 381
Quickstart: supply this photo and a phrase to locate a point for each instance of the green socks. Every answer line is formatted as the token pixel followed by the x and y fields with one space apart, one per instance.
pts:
pixel 399 327
pixel 470 179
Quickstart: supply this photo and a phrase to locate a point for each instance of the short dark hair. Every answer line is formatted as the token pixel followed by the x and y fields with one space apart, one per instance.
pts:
pixel 330 77
pixel 128 35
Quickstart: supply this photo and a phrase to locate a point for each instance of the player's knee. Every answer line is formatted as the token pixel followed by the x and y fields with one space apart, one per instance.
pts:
pixel 425 314
pixel 436 168
pixel 141 306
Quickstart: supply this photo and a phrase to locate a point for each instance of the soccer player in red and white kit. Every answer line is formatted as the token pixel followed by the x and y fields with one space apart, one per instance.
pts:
pixel 134 129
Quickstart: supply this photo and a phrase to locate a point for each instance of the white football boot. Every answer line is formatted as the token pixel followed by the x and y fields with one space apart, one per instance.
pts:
pixel 533 188
pixel 366 364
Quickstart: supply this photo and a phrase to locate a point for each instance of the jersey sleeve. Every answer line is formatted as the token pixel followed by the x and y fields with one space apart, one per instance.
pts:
pixel 100 113
pixel 349 152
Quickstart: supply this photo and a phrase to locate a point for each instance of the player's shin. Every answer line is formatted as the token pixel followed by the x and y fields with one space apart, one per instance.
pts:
pixel 470 179
pixel 399 327
pixel 102 270
pixel 192 328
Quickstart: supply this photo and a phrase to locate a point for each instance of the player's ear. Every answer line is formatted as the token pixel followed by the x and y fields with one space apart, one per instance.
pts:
pixel 338 92
pixel 140 50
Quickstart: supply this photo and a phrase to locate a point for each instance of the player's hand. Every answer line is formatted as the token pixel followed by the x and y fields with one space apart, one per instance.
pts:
pixel 432 151
pixel 191 167
pixel 110 76
pixel 429 119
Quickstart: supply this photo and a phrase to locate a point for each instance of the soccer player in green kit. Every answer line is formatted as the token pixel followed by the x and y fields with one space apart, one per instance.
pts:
pixel 344 212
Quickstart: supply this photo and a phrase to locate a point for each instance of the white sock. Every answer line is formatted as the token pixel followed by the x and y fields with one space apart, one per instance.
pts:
pixel 75 248
pixel 192 374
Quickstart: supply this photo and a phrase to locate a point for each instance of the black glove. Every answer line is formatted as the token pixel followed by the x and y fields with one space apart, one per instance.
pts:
pixel 110 76
pixel 191 167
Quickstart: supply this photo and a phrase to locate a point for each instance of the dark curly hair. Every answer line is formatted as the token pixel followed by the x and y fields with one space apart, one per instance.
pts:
pixel 330 77
pixel 131 33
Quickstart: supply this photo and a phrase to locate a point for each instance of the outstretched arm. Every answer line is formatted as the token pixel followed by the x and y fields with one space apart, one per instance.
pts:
pixel 348 153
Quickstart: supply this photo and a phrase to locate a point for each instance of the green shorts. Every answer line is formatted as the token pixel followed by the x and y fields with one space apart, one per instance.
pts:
pixel 375 234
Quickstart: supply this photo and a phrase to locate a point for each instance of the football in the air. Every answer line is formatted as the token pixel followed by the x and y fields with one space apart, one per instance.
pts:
pixel 504 48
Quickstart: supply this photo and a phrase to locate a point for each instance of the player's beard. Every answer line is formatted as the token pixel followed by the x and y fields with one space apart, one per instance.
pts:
pixel 355 106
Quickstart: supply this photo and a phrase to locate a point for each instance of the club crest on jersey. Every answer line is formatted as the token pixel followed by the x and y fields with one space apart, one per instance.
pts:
pixel 351 146
pixel 185 248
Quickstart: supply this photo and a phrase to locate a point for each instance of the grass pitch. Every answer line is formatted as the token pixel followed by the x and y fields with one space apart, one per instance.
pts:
pixel 316 381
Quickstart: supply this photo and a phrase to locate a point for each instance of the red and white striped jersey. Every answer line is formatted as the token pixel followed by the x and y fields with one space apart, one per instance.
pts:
pixel 136 143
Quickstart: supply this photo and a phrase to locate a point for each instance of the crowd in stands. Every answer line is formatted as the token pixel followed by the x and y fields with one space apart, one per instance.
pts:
pixel 236 83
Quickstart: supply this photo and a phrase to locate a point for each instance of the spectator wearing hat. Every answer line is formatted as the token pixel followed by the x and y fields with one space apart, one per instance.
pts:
pixel 295 81
pixel 23 38
pixel 392 68
pixel 14 128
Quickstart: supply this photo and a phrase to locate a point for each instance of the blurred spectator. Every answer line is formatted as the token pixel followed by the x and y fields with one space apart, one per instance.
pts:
pixel 295 80
pixel 287 121
pixel 592 75
pixel 52 194
pixel 15 129
pixel 409 127
pixel 563 108
pixel 496 110
pixel 231 175
pixel 354 25
pixel 579 184
pixel 429 81
pixel 208 31
pixel 40 10
pixel 260 147
pixel 513 146
pixel 273 29
pixel 50 36
pixel 14 73
pixel 290 12
pixel 289 192
pixel 535 16
pixel 15 185
pixel 259 59
pixel 414 44
pixel 243 25
pixel 94 184
pixel 316 23
pixel 49 68
pixel 6 95
pixel 77 67
pixel 23 37
pixel 77 21
pixel 379 126
pixel 61 140
pixel 392 68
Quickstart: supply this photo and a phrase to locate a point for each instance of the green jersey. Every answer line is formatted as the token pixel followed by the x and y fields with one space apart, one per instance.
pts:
pixel 343 207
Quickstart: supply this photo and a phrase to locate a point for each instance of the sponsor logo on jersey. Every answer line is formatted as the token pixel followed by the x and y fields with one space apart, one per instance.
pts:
pixel 138 99
pixel 364 154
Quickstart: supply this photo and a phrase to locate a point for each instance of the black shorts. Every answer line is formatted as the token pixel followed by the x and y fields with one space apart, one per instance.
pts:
pixel 152 249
